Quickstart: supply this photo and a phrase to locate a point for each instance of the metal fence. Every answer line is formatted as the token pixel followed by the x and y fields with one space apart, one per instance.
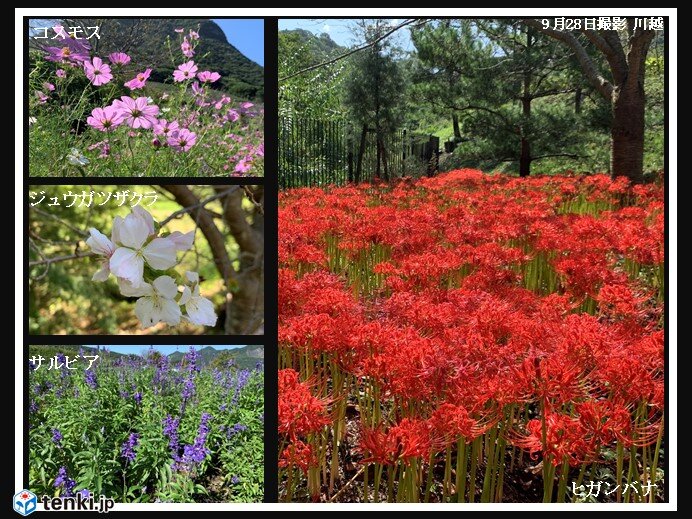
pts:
pixel 314 152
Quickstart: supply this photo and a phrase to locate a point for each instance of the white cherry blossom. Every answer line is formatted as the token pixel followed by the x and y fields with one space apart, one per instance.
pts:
pixel 157 302
pixel 101 245
pixel 128 260
pixel 199 309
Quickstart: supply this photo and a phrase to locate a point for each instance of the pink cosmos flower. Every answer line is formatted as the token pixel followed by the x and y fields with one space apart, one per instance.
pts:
pixel 70 50
pixel 139 81
pixel 208 77
pixel 97 71
pixel 182 140
pixel 164 128
pixel 42 98
pixel 243 166
pixel 232 115
pixel 194 35
pixel 224 100
pixel 246 105
pixel 179 30
pixel 105 119
pixel 137 113
pixel 49 86
pixel 119 58
pixel 186 48
pixel 185 71
pixel 196 89
pixel 61 73
pixel 103 147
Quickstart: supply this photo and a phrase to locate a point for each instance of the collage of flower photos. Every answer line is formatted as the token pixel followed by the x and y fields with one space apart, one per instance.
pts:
pixel 447 285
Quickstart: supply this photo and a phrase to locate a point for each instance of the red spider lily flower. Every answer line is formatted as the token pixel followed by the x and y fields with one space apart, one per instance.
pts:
pixel 300 413
pixel 298 454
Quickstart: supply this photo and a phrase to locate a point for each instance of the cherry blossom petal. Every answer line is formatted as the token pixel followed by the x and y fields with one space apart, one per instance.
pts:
pixel 115 232
pixel 146 313
pixel 186 295
pixel 126 263
pixel 133 232
pixel 143 214
pixel 160 253
pixel 99 243
pixel 169 311
pixel 166 286
pixel 103 273
pixel 128 290
pixel 182 241
pixel 201 311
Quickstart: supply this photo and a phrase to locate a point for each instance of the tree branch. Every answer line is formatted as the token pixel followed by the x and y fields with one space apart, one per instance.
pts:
pixel 58 259
pixel 612 50
pixel 636 56
pixel 185 210
pixel 352 51
pixel 604 86
pixel 613 39
pixel 549 155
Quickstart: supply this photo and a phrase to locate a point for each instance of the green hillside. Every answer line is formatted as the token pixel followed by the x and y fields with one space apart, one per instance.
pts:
pixel 52 350
pixel 246 357
pixel 321 46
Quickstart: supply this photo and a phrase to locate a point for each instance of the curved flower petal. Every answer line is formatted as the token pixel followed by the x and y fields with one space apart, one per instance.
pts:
pixel 99 243
pixel 166 286
pixel 128 290
pixel 151 310
pixel 145 215
pixel 126 263
pixel 185 297
pixel 182 241
pixel 160 253
pixel 146 313
pixel 133 232
pixel 103 273
pixel 192 277
pixel 201 311
pixel 169 311
pixel 115 232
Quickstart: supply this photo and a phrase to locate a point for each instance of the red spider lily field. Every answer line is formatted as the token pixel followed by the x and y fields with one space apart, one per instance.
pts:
pixel 472 338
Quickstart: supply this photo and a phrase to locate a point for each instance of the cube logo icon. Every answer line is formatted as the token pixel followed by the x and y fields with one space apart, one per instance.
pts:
pixel 25 502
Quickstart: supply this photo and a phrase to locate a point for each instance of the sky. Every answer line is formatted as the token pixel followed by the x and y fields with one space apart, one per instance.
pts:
pixel 246 35
pixel 340 30
pixel 165 350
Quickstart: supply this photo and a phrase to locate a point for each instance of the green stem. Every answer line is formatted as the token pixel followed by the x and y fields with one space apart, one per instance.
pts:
pixel 618 470
pixel 428 483
pixel 461 470
pixel 562 486
pixel 446 490
pixel 654 463
pixel 475 452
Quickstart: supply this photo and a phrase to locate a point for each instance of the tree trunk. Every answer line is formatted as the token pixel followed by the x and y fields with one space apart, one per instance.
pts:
pixel 378 153
pixel 385 163
pixel 455 126
pixel 577 100
pixel 361 152
pixel 627 132
pixel 246 313
pixel 525 144
pixel 525 158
